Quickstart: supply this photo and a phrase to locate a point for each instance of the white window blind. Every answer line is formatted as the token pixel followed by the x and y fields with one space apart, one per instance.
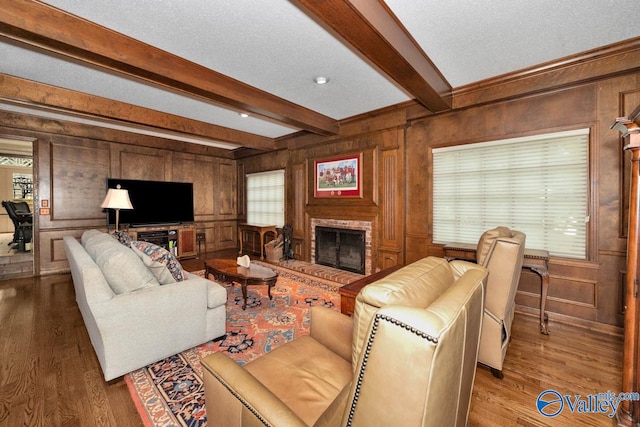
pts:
pixel 538 185
pixel 265 198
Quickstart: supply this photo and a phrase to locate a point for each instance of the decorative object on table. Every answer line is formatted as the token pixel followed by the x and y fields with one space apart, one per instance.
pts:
pixel 116 199
pixel 338 177
pixel 244 261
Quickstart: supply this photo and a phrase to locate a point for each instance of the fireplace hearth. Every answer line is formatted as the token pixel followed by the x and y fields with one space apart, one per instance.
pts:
pixel 340 248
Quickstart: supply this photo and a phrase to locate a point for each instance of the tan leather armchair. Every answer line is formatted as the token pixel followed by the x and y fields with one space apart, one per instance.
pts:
pixel 500 250
pixel 415 365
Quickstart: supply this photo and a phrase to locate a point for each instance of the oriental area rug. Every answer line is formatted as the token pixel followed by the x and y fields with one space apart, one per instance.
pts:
pixel 171 392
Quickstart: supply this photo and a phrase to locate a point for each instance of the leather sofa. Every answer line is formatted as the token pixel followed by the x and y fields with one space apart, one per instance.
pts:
pixel 501 251
pixel 130 329
pixel 406 358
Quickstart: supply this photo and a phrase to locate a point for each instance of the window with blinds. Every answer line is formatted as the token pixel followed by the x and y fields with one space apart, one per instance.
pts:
pixel 265 198
pixel 538 185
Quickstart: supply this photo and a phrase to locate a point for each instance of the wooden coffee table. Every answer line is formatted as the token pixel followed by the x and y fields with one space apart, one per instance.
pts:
pixel 228 270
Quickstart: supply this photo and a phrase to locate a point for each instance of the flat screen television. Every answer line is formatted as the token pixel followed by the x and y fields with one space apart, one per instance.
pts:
pixel 154 202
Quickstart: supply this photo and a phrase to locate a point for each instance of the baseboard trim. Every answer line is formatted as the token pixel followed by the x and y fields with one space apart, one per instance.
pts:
pixel 572 321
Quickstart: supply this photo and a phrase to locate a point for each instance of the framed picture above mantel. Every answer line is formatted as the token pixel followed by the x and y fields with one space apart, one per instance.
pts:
pixel 338 177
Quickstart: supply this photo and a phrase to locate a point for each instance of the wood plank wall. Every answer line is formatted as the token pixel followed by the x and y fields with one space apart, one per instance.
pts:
pixel 396 147
pixel 589 289
pixel 73 163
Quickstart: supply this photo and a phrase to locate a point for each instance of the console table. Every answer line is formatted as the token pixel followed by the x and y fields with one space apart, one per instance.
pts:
pixel 261 229
pixel 534 259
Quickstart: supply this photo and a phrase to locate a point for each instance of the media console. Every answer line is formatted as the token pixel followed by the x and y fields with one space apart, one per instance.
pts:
pixel 179 239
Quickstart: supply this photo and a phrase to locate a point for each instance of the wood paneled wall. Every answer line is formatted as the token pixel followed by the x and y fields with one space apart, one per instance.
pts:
pixel 74 162
pixel 379 141
pixel 589 289
pixel 397 170
pixel 6 193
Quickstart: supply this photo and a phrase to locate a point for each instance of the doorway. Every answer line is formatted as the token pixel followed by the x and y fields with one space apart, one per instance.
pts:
pixel 17 184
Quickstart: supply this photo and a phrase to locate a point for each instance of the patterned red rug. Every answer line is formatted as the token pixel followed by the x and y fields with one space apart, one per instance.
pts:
pixel 171 393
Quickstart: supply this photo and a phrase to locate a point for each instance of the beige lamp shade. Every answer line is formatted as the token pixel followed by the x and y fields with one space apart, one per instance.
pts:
pixel 117 199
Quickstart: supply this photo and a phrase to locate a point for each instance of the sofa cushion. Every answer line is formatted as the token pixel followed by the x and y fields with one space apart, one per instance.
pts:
pixel 216 295
pixel 89 234
pixel 96 242
pixel 304 374
pixel 164 266
pixel 124 270
pixel 415 285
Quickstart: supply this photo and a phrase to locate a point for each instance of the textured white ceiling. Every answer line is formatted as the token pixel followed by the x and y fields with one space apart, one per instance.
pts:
pixel 472 40
pixel 274 46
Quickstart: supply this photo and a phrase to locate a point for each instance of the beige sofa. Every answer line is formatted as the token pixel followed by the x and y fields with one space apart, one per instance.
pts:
pixel 131 319
pixel 410 363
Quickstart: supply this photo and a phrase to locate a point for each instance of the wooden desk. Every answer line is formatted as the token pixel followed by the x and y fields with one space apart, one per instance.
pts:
pixel 349 292
pixel 261 229
pixel 534 259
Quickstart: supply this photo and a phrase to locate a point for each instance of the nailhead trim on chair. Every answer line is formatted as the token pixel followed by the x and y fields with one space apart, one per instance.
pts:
pixel 374 330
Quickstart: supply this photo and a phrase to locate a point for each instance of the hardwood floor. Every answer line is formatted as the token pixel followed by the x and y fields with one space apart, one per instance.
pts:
pixel 50 376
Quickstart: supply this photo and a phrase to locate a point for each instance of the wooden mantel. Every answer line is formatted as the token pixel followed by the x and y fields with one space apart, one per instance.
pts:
pixel 629 412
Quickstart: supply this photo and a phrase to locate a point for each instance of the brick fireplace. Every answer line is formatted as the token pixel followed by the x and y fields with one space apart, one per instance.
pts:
pixel 364 226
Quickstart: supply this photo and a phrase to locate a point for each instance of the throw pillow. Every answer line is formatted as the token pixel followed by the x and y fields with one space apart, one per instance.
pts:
pixel 123 237
pixel 164 266
pixel 122 268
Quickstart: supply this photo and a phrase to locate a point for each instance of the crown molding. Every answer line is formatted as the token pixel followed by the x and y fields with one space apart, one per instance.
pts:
pixel 597 64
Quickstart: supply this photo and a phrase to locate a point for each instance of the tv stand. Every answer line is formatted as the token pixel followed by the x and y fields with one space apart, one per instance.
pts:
pixel 163 224
pixel 179 239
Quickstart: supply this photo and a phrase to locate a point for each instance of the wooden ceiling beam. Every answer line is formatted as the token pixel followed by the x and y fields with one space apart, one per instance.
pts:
pixel 373 30
pixel 54 30
pixel 31 93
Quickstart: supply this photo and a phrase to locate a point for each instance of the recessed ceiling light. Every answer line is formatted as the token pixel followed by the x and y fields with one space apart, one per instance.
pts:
pixel 321 80
pixel 243 115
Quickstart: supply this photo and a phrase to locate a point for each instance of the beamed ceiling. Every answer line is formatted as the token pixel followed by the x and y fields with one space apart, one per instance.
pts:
pixel 186 69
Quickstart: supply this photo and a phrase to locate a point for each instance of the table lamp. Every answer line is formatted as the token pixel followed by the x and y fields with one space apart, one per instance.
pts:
pixel 117 199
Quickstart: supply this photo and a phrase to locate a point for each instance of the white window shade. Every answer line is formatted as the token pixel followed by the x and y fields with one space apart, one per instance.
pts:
pixel 538 185
pixel 265 198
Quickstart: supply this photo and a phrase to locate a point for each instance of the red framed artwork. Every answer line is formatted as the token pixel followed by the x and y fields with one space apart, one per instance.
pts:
pixel 338 177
